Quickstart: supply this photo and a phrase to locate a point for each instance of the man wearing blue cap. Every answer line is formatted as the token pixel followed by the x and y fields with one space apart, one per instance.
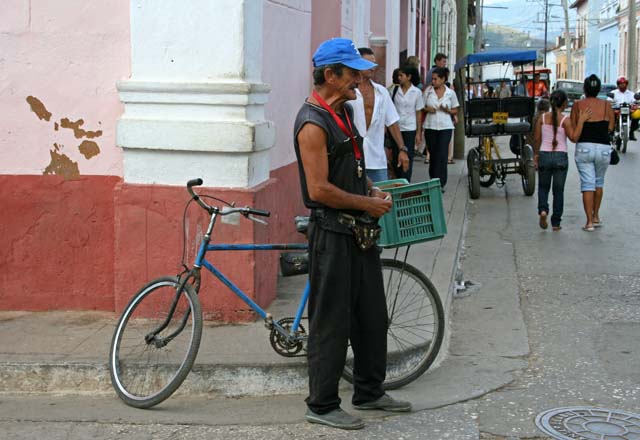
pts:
pixel 346 301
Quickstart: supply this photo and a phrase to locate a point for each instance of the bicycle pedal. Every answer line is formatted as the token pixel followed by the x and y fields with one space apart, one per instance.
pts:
pixel 268 322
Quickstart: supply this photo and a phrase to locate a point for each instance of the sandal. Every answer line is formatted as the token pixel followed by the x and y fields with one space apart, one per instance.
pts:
pixel 543 220
pixel 556 228
pixel 451 161
pixel 588 228
pixel 597 224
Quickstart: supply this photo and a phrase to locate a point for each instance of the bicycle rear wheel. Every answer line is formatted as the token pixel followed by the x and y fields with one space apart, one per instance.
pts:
pixel 416 324
pixel 146 365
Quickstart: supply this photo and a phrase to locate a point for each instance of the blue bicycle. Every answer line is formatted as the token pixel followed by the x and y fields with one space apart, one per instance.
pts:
pixel 156 340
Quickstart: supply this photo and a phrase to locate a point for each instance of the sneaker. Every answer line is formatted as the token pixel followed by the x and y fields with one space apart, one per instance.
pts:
pixel 336 419
pixel 386 403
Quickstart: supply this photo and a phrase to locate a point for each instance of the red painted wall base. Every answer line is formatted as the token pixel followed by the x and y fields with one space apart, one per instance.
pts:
pixel 91 243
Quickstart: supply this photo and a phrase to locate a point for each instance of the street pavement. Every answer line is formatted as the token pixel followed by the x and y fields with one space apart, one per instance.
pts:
pixel 549 319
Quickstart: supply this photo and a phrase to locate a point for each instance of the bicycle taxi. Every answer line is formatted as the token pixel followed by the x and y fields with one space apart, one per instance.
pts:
pixel 487 116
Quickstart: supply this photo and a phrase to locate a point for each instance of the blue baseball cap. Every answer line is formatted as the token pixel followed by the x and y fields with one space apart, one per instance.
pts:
pixel 341 51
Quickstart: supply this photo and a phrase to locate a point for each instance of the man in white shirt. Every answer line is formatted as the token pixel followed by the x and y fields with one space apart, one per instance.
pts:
pixel 373 110
pixel 621 95
pixel 408 101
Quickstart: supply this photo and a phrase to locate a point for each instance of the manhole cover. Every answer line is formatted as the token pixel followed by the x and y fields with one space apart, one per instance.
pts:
pixel 585 423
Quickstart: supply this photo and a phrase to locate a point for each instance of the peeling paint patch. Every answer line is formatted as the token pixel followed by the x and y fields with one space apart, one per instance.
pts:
pixel 62 166
pixel 89 149
pixel 38 108
pixel 77 131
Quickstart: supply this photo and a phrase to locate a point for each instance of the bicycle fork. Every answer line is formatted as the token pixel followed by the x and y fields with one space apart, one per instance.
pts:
pixel 152 337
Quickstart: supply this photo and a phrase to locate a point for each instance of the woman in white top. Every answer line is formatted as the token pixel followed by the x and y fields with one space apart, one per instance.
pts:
pixel 440 105
pixel 408 101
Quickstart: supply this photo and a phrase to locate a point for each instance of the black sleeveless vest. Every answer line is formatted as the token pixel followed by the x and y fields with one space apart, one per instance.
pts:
pixel 342 162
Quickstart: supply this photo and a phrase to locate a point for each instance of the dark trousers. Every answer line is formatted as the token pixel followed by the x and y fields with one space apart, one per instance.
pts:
pixel 346 302
pixel 552 174
pixel 409 139
pixel 438 145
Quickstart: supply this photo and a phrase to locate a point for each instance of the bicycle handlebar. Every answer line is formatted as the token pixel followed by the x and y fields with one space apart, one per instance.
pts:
pixel 246 210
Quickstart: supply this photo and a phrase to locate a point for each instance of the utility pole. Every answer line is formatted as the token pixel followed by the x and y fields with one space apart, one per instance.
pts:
pixel 567 38
pixel 632 47
pixel 477 41
pixel 546 20
pixel 462 31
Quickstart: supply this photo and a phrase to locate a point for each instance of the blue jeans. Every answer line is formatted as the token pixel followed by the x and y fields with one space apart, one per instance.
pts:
pixel 377 175
pixel 592 161
pixel 552 173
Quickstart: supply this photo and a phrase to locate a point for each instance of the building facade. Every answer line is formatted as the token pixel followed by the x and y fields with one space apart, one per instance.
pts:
pixel 110 107
pixel 580 43
pixel 623 48
pixel 608 47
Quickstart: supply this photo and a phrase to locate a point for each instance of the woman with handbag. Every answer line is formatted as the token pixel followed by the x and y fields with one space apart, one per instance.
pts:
pixel 551 131
pixel 593 150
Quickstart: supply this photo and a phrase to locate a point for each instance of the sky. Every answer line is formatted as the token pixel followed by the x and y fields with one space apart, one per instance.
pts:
pixel 523 15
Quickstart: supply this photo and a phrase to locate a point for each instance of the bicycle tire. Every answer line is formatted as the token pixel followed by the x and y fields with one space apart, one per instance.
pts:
pixel 411 348
pixel 486 180
pixel 473 173
pixel 528 171
pixel 144 374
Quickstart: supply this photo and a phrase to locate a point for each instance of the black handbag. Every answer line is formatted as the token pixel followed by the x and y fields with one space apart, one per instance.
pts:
pixel 294 263
pixel 614 158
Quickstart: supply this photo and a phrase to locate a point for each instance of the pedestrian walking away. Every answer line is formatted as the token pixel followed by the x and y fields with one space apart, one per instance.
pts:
pixel 441 104
pixel 373 111
pixel 550 145
pixel 593 150
pixel 347 300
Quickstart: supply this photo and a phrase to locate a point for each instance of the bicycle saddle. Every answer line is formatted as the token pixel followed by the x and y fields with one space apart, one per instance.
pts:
pixel 302 223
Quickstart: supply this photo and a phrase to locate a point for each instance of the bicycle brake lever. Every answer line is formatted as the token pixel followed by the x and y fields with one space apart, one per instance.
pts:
pixel 256 219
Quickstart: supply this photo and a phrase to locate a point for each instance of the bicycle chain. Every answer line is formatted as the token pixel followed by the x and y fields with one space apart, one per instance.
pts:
pixel 288 347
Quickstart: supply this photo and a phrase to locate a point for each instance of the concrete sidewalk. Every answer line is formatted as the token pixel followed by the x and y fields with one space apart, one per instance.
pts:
pixel 66 352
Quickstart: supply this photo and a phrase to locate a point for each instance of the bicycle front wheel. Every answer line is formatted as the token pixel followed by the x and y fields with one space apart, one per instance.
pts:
pixel 153 350
pixel 416 324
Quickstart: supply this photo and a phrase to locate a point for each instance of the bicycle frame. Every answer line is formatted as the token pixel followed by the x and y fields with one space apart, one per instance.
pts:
pixel 205 247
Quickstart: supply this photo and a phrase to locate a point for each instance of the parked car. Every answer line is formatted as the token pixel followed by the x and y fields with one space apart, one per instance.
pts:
pixel 605 89
pixel 572 87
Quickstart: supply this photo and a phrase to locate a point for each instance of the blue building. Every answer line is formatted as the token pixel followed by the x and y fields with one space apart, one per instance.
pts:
pixel 608 44
pixel 592 49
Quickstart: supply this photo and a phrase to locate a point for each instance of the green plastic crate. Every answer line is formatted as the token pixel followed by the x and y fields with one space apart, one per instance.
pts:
pixel 417 213
pixel 386 184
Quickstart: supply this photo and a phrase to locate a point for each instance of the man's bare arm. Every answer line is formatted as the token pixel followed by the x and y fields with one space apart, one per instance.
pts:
pixel 312 141
pixel 403 159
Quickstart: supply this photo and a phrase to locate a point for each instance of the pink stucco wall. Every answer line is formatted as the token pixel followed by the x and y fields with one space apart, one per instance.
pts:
pixel 326 21
pixel 378 14
pixel 66 55
pixel 286 67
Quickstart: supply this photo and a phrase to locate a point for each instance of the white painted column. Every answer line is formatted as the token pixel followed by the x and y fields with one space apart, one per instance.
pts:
pixel 194 105
pixel 411 27
pixel 392 29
